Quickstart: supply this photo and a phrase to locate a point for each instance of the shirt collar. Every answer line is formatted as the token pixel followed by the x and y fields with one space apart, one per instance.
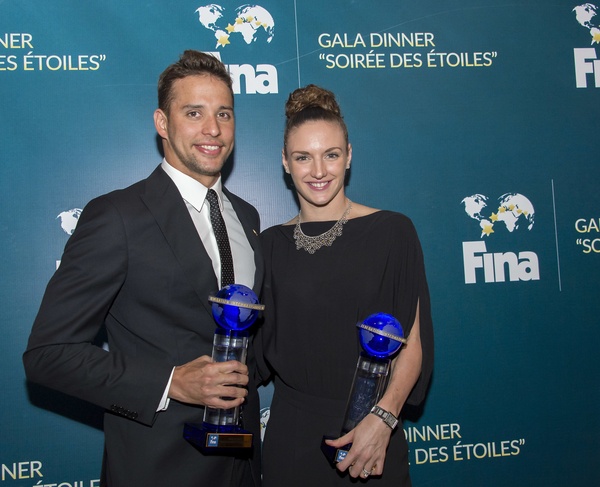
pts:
pixel 191 190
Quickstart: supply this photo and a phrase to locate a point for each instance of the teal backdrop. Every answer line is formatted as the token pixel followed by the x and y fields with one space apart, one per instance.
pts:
pixel 476 118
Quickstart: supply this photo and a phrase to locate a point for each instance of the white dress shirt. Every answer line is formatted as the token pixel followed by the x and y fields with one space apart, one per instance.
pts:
pixel 194 195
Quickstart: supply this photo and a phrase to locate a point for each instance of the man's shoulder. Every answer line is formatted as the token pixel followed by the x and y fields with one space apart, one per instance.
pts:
pixel 238 201
pixel 156 181
pixel 131 198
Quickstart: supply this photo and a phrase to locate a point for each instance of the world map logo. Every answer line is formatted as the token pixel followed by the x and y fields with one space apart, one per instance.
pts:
pixel 514 211
pixel 586 16
pixel 249 22
pixel 69 219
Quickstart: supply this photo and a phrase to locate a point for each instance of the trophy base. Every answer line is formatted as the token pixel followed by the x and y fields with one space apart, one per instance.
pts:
pixel 334 455
pixel 211 439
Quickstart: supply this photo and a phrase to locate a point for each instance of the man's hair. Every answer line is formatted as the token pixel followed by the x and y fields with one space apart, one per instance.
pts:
pixel 191 63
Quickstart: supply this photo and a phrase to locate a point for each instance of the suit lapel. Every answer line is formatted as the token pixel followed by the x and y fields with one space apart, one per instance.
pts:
pixel 247 220
pixel 165 203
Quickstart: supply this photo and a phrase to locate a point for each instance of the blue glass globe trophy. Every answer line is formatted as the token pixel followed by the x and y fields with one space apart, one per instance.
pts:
pixel 234 308
pixel 380 336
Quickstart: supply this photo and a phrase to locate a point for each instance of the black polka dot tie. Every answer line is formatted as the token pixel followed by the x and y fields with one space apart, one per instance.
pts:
pixel 218 224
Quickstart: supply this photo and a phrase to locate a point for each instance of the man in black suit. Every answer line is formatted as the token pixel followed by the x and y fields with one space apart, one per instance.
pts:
pixel 142 263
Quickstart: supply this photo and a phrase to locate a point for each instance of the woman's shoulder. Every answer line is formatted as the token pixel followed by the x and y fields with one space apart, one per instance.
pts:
pixel 380 216
pixel 271 230
pixel 274 232
pixel 391 226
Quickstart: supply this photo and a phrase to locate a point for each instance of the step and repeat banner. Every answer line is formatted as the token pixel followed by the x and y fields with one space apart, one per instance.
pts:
pixel 479 119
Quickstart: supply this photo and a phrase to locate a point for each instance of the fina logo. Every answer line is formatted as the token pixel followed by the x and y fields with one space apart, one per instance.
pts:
pixel 251 23
pixel 514 213
pixel 262 80
pixel 586 59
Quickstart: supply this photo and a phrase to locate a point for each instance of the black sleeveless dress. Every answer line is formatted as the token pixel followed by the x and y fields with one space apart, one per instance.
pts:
pixel 309 340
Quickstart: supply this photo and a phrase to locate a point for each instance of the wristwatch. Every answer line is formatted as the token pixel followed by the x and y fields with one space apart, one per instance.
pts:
pixel 388 418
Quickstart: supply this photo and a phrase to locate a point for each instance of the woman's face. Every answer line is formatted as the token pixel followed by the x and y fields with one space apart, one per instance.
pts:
pixel 317 158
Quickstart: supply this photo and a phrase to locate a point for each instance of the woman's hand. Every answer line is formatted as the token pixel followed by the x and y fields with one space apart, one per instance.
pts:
pixel 370 440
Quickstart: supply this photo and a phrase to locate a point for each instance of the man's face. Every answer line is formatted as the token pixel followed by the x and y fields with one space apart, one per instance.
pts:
pixel 198 130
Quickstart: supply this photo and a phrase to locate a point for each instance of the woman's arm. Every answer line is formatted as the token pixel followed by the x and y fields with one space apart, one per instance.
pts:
pixel 371 436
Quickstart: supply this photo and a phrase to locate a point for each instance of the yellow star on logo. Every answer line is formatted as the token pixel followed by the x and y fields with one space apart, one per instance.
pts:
pixel 230 28
pixel 487 229
pixel 494 217
pixel 223 40
pixel 596 38
pixel 502 209
pixel 511 207
pixel 239 20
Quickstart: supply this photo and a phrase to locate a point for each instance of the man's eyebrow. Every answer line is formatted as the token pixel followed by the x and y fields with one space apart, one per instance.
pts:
pixel 194 106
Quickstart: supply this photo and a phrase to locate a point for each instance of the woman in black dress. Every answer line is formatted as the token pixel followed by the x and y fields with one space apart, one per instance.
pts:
pixel 327 269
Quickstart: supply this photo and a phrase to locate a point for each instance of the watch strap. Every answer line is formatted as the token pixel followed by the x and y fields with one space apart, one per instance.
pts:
pixel 388 418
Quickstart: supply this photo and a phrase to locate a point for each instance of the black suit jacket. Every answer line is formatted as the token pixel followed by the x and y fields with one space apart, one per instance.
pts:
pixel 136 265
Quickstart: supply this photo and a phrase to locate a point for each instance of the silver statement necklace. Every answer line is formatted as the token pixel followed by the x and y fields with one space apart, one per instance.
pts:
pixel 312 244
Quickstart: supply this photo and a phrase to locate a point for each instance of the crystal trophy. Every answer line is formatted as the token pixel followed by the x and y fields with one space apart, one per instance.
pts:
pixel 381 336
pixel 234 308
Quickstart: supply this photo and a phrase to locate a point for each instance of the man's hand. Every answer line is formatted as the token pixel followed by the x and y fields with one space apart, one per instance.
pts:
pixel 207 383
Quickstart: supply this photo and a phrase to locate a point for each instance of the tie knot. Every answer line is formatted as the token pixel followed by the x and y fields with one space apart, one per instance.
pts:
pixel 212 198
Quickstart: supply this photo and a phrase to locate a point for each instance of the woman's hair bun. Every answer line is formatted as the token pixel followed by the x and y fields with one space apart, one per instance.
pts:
pixel 311 96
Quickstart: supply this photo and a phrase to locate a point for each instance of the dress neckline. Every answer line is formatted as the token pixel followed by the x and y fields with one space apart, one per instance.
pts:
pixel 292 225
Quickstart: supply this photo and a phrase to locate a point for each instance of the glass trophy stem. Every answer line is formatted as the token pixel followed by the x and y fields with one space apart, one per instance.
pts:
pixel 230 345
pixel 370 381
pixel 220 432
pixel 227 345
